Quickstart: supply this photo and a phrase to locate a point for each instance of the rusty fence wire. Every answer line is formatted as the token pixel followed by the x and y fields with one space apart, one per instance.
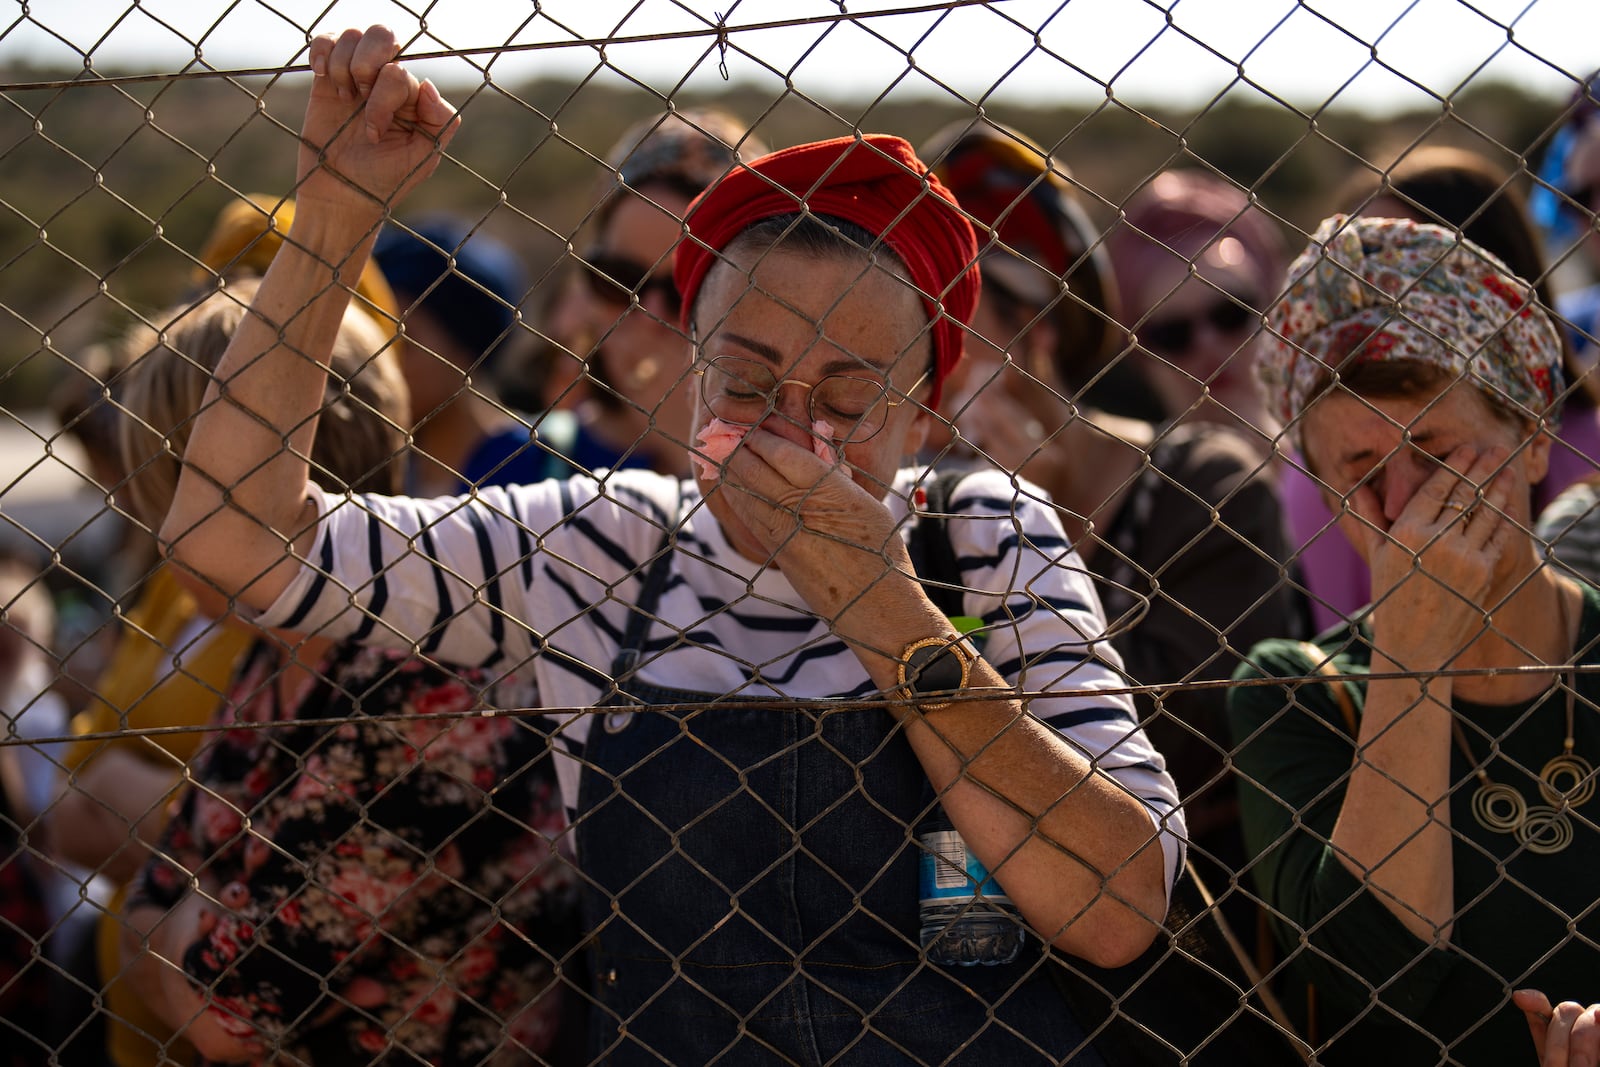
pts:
pixel 556 774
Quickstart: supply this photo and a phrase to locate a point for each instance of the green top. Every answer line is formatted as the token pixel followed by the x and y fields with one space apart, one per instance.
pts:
pixel 1383 995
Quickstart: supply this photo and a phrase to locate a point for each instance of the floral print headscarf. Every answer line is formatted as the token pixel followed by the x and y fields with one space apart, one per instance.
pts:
pixel 1390 290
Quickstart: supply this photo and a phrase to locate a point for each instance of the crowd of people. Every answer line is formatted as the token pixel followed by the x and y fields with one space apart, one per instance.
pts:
pixel 888 531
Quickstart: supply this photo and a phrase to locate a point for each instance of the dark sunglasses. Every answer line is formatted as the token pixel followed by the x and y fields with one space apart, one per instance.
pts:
pixel 613 279
pixel 1175 336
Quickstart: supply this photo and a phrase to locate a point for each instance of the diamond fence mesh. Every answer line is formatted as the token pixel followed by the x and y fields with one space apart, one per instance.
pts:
pixel 569 724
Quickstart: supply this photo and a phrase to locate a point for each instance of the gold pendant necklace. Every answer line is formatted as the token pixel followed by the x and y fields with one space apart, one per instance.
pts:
pixel 1565 782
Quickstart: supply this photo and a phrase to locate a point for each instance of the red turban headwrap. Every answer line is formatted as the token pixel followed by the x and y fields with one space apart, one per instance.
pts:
pixel 875 181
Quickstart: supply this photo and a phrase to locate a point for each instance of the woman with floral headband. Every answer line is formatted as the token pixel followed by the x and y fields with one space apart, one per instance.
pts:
pixel 1418 791
pixel 778 698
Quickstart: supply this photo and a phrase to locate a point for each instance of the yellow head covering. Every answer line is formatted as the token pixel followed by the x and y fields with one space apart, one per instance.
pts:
pixel 249 232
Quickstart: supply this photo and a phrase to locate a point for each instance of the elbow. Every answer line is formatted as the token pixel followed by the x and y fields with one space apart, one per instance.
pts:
pixel 223 559
pixel 81 830
pixel 1118 927
pixel 1110 942
pixel 190 546
pixel 211 599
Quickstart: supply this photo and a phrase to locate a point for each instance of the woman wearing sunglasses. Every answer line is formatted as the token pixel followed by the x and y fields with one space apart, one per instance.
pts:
pixel 758 696
pixel 1196 265
pixel 1179 525
pixel 618 309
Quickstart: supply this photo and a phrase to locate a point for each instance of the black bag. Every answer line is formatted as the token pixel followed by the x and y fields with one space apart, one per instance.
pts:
pixel 1193 997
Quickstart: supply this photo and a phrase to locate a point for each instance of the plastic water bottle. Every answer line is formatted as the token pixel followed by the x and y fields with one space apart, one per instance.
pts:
pixel 966 919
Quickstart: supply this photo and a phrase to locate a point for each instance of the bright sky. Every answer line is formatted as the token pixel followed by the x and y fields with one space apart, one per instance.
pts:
pixel 1373 54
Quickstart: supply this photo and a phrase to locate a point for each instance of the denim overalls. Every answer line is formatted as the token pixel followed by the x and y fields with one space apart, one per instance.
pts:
pixel 750 886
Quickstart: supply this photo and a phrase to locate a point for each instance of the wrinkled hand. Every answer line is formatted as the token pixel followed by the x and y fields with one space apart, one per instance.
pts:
pixel 158 968
pixel 829 535
pixel 1433 565
pixel 1567 1035
pixel 372 131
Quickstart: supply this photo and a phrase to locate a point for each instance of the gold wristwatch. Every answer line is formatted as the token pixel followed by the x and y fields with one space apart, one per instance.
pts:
pixel 935 665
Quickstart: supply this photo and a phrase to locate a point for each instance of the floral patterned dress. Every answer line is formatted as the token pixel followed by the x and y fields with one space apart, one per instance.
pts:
pixel 388 873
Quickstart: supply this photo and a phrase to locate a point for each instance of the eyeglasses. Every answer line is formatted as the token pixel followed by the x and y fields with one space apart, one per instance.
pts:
pixel 1175 336
pixel 613 278
pixel 744 391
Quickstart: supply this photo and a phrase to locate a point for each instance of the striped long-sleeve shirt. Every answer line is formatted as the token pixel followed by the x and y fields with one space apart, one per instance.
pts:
pixel 541 577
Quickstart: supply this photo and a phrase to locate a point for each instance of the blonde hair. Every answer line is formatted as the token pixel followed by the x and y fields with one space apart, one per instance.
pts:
pixel 360 441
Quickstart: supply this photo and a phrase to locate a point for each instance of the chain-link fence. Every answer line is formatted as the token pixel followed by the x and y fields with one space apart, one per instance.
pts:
pixel 595 600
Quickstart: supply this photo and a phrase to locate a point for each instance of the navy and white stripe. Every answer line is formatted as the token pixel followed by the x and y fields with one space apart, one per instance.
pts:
pixel 537 579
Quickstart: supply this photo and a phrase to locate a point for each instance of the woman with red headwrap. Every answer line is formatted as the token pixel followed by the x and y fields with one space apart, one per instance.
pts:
pixel 614 321
pixel 758 696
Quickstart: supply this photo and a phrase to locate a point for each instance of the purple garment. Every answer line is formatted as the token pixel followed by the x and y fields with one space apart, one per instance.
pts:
pixel 1335 576
pixel 1574 456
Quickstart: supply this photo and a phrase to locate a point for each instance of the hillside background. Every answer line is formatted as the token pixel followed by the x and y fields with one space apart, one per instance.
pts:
pixel 108 187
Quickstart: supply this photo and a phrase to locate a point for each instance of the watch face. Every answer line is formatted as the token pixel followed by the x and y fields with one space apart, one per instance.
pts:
pixel 934 669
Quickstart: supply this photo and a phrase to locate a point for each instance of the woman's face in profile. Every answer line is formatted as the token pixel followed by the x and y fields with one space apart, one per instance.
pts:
pixel 628 324
pixel 640 343
pixel 1009 345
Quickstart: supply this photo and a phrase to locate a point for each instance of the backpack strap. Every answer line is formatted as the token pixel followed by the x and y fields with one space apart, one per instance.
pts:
pixel 929 544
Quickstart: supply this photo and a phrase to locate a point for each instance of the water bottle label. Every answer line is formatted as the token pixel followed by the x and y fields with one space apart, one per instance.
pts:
pixel 951 873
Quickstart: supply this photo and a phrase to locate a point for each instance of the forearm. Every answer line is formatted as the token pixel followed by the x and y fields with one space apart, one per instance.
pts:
pixel 371 132
pixel 1292 755
pixel 153 945
pixel 1077 853
pixel 241 499
pixel 1393 830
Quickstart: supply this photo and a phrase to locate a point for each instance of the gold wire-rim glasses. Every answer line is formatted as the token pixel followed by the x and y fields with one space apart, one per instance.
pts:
pixel 765 386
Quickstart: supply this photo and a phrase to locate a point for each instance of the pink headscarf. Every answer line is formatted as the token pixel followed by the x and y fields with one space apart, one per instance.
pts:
pixel 1180 216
